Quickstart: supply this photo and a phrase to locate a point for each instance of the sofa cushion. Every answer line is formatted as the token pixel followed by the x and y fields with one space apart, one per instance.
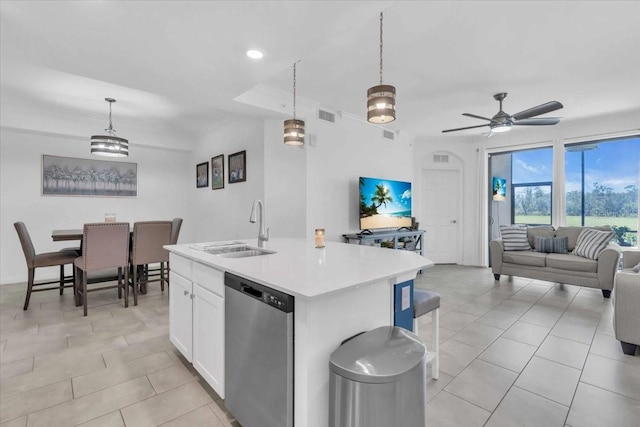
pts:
pixel 572 263
pixel 636 269
pixel 548 245
pixel 572 233
pixel 514 237
pixel 541 231
pixel 535 259
pixel 591 242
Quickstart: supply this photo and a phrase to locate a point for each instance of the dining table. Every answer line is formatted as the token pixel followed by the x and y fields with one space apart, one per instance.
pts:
pixel 66 235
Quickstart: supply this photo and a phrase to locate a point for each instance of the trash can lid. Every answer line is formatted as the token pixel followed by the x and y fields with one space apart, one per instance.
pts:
pixel 378 356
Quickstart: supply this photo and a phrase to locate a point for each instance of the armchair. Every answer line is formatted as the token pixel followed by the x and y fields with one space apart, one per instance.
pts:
pixel 626 303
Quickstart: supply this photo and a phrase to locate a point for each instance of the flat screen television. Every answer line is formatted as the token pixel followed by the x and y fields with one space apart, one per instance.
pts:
pixel 384 203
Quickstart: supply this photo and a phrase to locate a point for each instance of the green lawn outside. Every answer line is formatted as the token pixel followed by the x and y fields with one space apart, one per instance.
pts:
pixel 632 223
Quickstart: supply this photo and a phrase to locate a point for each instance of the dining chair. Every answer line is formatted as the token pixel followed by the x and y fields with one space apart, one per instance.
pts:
pixel 46 259
pixel 176 224
pixel 104 246
pixel 148 240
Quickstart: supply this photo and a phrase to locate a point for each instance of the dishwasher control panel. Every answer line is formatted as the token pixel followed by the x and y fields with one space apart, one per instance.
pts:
pixel 269 296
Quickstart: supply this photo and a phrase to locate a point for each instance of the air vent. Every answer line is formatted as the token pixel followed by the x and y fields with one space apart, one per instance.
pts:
pixel 440 158
pixel 389 134
pixel 326 116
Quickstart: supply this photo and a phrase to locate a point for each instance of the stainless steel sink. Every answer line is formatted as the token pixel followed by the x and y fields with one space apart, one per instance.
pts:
pixel 248 253
pixel 238 251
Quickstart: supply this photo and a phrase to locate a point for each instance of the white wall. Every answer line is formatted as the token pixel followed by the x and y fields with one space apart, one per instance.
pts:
pixel 224 214
pixel 473 151
pixel 162 180
pixel 337 154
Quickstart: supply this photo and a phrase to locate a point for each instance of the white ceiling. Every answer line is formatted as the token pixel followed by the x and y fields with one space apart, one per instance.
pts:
pixel 180 66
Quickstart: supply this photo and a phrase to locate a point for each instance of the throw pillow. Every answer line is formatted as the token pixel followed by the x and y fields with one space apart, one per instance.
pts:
pixel 514 237
pixel 591 242
pixel 556 245
pixel 637 268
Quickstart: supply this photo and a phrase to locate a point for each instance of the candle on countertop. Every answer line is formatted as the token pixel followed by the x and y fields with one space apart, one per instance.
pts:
pixel 109 217
pixel 319 237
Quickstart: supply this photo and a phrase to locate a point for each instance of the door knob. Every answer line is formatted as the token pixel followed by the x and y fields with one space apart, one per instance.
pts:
pixel 186 292
pixel 454 221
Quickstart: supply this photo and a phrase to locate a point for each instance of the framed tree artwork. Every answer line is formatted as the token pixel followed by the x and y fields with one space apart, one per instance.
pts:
pixel 237 167
pixel 217 172
pixel 202 175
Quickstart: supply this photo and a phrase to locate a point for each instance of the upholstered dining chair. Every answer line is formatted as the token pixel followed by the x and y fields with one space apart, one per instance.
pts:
pixel 46 259
pixel 148 240
pixel 104 246
pixel 176 224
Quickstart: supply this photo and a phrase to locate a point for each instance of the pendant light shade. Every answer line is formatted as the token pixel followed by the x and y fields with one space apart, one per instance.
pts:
pixel 294 128
pixel 381 99
pixel 109 145
pixel 294 132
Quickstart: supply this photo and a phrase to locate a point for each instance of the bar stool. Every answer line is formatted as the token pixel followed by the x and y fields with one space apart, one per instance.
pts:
pixel 424 302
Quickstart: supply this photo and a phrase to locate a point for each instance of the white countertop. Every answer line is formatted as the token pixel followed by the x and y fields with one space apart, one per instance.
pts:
pixel 299 269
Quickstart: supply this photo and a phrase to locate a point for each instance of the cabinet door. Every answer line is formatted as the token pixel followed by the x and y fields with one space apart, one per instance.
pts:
pixel 208 337
pixel 180 320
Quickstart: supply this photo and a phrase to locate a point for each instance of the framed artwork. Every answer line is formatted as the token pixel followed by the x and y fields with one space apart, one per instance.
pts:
pixel 217 172
pixel 202 175
pixel 499 189
pixel 237 167
pixel 69 176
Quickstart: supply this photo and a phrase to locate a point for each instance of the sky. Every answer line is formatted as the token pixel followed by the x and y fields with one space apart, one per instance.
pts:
pixel 614 164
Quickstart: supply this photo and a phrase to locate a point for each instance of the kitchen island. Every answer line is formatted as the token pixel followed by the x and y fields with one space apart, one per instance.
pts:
pixel 339 291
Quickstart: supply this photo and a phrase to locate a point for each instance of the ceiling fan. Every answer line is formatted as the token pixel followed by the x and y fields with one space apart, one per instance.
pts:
pixel 502 121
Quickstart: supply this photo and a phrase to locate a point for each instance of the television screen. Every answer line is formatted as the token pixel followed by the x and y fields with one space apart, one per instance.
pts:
pixel 384 203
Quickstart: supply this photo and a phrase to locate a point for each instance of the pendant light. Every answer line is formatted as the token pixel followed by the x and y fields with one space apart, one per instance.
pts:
pixel 109 145
pixel 381 99
pixel 294 128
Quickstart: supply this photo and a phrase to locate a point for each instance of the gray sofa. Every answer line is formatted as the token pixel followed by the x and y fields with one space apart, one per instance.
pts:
pixel 555 267
pixel 626 300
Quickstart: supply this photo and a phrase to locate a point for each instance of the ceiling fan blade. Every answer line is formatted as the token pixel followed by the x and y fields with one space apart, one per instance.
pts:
pixel 476 117
pixel 538 122
pixel 536 111
pixel 468 127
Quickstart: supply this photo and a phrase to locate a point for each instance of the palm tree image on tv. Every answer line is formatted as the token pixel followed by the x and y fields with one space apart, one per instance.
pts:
pixel 384 203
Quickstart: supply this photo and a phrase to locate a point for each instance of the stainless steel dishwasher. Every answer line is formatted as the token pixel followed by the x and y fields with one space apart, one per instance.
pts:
pixel 258 353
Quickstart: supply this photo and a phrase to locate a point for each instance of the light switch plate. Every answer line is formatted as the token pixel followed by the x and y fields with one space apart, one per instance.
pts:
pixel 406 298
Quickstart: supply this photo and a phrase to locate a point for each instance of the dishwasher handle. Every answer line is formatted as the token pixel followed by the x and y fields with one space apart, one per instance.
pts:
pixel 247 289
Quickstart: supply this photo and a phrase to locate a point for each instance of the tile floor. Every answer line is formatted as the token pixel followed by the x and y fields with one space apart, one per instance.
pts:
pixel 521 352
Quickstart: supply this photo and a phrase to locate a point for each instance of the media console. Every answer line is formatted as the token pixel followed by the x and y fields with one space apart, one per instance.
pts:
pixel 394 239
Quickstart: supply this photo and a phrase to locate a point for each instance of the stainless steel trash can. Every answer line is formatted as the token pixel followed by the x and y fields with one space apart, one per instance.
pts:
pixel 378 379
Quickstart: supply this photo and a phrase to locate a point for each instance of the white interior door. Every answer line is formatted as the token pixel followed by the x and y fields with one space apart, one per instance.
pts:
pixel 439 215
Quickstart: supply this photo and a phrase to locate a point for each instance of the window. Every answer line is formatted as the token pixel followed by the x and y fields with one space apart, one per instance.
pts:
pixel 532 172
pixel 602 185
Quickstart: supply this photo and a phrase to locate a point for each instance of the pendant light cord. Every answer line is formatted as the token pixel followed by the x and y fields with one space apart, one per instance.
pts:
pixel 294 90
pixel 110 125
pixel 380 48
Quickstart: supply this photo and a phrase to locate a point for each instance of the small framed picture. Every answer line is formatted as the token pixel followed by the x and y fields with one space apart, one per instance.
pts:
pixel 237 167
pixel 217 172
pixel 202 175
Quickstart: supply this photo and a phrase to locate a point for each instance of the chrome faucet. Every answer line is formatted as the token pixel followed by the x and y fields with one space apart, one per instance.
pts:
pixel 262 235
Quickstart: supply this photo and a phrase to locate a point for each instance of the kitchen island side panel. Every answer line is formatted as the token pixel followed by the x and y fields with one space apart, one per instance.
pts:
pixel 321 324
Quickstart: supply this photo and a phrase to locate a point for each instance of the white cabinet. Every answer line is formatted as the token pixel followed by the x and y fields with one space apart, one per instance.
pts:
pixel 180 319
pixel 208 337
pixel 196 317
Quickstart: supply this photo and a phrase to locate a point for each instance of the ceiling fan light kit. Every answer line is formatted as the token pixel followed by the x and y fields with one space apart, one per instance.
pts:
pixel 381 99
pixel 294 128
pixel 502 122
pixel 109 145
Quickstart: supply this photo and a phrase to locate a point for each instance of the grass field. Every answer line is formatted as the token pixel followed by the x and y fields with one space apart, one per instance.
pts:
pixel 632 223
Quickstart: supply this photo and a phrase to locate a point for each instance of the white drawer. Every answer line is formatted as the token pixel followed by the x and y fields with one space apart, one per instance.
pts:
pixel 180 265
pixel 209 278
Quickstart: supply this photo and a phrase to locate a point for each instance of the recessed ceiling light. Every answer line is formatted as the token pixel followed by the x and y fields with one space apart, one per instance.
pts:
pixel 254 54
